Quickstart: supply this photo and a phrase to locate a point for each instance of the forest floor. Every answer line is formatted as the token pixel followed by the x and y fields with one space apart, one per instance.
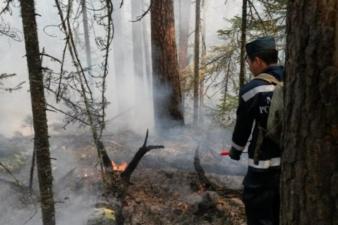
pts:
pixel 165 188
pixel 175 197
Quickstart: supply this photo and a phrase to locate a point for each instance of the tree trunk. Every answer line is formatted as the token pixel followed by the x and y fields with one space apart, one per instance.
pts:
pixel 309 184
pixel 204 57
pixel 86 35
pixel 197 60
pixel 41 143
pixel 167 90
pixel 243 42
pixel 184 15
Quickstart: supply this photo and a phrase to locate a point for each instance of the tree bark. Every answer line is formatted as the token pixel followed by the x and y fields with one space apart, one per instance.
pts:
pixel 309 184
pixel 166 81
pixel 243 42
pixel 41 143
pixel 197 60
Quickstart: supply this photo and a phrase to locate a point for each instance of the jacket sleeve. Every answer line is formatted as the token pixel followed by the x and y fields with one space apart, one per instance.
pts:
pixel 244 123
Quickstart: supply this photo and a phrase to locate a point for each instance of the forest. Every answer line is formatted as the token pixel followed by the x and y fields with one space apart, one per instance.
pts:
pixel 132 112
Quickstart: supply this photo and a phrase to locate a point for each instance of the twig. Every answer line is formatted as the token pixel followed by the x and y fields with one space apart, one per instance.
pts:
pixel 6 8
pixel 67 114
pixel 6 75
pixel 259 17
pixel 31 217
pixel 50 56
pixel 11 174
pixel 139 18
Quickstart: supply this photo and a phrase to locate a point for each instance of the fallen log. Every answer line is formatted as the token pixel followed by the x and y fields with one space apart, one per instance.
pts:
pixel 208 184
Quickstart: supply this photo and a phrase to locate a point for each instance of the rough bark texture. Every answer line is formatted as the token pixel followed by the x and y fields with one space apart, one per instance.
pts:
pixel 309 188
pixel 167 90
pixel 41 143
pixel 243 41
pixel 197 60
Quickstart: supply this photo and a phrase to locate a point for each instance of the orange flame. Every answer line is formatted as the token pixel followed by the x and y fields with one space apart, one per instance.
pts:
pixel 119 167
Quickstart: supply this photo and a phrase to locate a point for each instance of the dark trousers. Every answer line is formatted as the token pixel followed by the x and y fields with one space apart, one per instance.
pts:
pixel 261 206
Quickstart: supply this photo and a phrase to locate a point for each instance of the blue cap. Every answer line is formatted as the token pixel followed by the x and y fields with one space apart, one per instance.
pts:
pixel 260 45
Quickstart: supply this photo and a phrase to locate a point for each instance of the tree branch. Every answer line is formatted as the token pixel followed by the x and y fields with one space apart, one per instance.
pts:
pixel 139 18
pixel 125 175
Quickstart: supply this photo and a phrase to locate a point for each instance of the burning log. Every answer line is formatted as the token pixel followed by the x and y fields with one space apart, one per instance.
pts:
pixel 209 185
pixel 137 158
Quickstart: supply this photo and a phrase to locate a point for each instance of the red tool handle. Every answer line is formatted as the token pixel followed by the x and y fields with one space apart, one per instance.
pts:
pixel 224 152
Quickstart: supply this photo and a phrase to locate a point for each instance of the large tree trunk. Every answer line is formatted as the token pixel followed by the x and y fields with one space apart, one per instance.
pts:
pixel 309 185
pixel 167 90
pixel 243 42
pixel 41 143
pixel 197 60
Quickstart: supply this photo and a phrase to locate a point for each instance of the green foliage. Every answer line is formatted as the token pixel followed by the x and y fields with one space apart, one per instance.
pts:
pixel 267 17
pixel 225 110
pixel 264 17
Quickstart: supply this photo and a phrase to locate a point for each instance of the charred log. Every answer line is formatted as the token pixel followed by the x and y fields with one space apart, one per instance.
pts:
pixel 137 158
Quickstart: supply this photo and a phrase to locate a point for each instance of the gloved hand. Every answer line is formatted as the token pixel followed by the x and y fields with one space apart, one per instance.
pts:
pixel 235 154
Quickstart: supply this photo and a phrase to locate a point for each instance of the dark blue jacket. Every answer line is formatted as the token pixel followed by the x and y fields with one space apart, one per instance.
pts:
pixel 253 109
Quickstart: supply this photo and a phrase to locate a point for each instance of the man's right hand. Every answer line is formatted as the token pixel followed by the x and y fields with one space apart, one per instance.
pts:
pixel 235 154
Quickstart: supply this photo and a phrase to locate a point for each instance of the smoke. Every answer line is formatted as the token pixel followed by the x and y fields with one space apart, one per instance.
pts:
pixel 130 100
pixel 130 109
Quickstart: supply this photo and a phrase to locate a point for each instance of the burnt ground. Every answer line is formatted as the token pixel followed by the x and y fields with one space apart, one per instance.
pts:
pixel 165 188
pixel 171 197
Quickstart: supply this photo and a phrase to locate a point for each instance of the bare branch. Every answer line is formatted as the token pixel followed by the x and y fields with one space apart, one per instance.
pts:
pixel 125 175
pixel 259 17
pixel 6 75
pixel 139 18
pixel 6 8
pixel 68 114
pixel 10 173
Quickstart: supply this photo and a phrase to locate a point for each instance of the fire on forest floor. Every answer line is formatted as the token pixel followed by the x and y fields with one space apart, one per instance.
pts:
pixel 163 190
pixel 168 196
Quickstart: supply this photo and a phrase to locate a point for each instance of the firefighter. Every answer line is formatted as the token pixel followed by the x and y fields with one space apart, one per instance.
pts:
pixel 261 183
